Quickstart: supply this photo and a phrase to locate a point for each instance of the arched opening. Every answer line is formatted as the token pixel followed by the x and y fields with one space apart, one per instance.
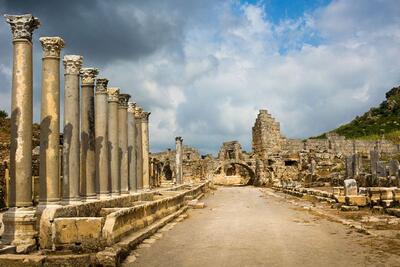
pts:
pixel 167 172
pixel 234 173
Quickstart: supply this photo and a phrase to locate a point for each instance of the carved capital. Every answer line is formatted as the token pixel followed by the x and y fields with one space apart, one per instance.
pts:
pixel 22 26
pixel 179 139
pixel 101 86
pixel 131 107
pixel 88 75
pixel 113 93
pixel 145 116
pixel 72 64
pixel 123 100
pixel 138 112
pixel 51 46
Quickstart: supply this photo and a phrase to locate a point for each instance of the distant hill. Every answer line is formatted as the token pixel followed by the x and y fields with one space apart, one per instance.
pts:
pixel 378 122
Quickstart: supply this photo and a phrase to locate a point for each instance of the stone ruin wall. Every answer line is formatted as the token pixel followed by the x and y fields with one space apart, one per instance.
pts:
pixel 311 161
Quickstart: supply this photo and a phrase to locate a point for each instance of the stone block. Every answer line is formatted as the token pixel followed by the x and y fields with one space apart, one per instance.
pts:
pixel 337 190
pixel 350 187
pixel 386 193
pixel 340 199
pixel 349 208
pixel 360 201
pixel 83 230
pixel 12 260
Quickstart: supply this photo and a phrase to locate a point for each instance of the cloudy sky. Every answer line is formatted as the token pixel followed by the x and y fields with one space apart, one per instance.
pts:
pixel 204 68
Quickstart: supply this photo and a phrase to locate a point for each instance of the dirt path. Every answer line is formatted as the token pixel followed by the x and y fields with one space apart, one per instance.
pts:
pixel 241 226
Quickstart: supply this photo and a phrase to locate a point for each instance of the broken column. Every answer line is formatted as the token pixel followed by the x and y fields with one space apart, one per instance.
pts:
pixel 123 141
pixel 101 138
pixel 50 121
pixel 113 150
pixel 88 168
pixel 139 148
pixel 146 150
pixel 19 221
pixel 349 167
pixel 178 159
pixel 131 147
pixel 71 143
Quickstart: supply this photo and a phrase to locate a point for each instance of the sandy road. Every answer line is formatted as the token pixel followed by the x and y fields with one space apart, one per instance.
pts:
pixel 241 226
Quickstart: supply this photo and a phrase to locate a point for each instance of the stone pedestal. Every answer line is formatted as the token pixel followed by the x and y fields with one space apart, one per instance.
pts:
pixel 101 131
pixel 132 148
pixel 123 141
pixel 19 221
pixel 139 150
pixel 50 121
pixel 71 139
pixel 146 150
pixel 88 168
pixel 113 150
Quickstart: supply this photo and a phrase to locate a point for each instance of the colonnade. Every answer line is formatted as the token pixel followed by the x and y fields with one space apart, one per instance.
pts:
pixel 105 137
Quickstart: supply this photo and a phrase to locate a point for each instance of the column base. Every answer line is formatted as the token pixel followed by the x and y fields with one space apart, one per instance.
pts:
pixel 90 198
pixel 71 201
pixel 125 193
pixel 102 196
pixel 115 194
pixel 20 229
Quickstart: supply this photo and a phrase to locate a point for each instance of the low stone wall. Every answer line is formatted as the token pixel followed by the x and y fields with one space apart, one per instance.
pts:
pixel 92 226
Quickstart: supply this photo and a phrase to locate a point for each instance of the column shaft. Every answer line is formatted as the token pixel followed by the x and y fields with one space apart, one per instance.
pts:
pixel 123 141
pixel 146 150
pixel 50 121
pixel 71 143
pixel 101 132
pixel 131 148
pixel 88 168
pixel 113 152
pixel 139 146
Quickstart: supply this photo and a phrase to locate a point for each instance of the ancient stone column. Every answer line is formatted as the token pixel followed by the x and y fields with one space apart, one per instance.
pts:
pixel 101 132
pixel 50 121
pixel 88 168
pixel 131 148
pixel 123 141
pixel 71 143
pixel 146 150
pixel 178 159
pixel 139 147
pixel 113 150
pixel 19 221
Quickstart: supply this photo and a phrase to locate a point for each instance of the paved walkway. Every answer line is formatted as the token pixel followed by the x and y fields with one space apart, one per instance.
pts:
pixel 241 226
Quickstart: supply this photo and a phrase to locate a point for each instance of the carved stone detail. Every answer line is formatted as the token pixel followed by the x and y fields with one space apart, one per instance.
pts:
pixel 88 75
pixel 72 64
pixel 22 26
pixel 101 86
pixel 51 46
pixel 123 100
pixel 113 93
pixel 145 116
pixel 131 107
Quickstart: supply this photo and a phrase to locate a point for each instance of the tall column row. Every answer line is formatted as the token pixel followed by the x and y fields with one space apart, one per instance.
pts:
pixel 105 138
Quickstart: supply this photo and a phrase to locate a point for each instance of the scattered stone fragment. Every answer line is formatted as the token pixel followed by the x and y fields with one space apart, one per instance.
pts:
pixel 349 208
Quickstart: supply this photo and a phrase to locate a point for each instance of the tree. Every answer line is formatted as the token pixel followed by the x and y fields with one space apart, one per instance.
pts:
pixel 3 114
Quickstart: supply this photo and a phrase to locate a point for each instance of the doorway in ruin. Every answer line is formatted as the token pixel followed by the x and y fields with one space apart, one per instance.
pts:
pixel 167 172
pixel 234 173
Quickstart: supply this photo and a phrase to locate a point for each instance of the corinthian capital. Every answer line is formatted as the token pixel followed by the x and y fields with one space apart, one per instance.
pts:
pixel 72 64
pixel 123 100
pixel 145 116
pixel 101 86
pixel 88 75
pixel 131 107
pixel 22 26
pixel 113 93
pixel 138 112
pixel 51 46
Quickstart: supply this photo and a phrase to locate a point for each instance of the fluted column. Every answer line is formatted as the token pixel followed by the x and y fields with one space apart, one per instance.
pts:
pixel 139 153
pixel 50 121
pixel 146 150
pixel 123 141
pixel 88 168
pixel 19 224
pixel 101 132
pixel 113 150
pixel 178 159
pixel 131 148
pixel 71 143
